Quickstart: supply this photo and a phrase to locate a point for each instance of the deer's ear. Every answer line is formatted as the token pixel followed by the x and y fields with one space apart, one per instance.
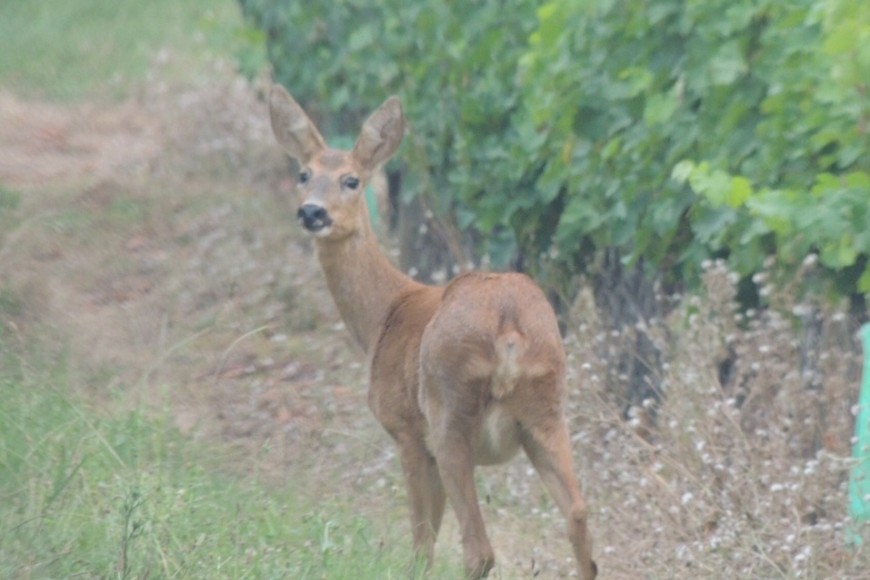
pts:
pixel 381 135
pixel 292 127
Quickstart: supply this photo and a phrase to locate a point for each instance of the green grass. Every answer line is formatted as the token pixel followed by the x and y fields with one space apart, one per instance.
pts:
pixel 93 493
pixel 71 49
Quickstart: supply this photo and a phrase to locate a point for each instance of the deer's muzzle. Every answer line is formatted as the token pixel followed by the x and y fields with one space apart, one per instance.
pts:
pixel 313 217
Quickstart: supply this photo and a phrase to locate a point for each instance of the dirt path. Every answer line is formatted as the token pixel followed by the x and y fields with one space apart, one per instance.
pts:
pixel 154 239
pixel 50 145
pixel 150 234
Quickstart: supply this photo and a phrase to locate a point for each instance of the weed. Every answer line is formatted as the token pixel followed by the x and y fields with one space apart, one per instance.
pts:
pixel 132 528
pixel 9 201
pixel 11 303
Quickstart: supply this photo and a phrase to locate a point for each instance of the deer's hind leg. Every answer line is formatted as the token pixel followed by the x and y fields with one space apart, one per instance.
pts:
pixel 547 443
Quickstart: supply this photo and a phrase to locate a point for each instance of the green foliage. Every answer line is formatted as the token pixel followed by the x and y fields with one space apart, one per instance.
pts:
pixel 668 131
pixel 681 131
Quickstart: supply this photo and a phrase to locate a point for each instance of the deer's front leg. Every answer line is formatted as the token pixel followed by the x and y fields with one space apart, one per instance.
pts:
pixel 425 494
pixel 454 452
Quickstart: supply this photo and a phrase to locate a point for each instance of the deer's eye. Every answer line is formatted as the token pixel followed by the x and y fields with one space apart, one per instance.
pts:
pixel 304 176
pixel 351 182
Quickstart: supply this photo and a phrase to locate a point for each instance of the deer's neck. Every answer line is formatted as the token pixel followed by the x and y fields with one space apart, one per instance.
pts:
pixel 363 283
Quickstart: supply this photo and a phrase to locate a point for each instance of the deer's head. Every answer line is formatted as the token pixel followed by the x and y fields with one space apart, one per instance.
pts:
pixel 332 182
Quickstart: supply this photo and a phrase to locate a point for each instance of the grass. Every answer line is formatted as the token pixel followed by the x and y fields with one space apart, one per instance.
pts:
pixel 96 494
pixel 69 50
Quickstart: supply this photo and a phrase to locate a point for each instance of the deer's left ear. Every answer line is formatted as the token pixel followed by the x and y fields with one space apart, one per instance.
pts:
pixel 381 135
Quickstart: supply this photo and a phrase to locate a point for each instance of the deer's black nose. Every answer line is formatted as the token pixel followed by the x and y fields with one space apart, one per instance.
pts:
pixel 313 217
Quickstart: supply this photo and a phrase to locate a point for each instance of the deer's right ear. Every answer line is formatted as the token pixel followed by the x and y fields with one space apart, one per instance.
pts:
pixel 292 127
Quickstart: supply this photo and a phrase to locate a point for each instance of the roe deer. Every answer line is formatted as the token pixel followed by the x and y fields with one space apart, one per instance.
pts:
pixel 461 375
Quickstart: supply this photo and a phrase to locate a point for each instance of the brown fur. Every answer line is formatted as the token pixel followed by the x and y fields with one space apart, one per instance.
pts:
pixel 459 376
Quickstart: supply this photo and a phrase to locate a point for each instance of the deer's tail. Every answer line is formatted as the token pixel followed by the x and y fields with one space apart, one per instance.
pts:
pixel 510 347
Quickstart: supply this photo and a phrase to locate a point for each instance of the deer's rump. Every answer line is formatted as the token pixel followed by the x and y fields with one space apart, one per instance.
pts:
pixel 492 344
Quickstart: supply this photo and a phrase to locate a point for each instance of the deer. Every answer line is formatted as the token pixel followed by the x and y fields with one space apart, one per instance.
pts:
pixel 460 375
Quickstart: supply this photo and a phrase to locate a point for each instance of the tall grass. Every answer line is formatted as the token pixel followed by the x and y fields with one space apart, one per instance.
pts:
pixel 103 493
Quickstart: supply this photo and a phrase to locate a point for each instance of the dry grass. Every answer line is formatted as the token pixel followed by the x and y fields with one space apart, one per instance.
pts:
pixel 741 479
pixel 174 275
